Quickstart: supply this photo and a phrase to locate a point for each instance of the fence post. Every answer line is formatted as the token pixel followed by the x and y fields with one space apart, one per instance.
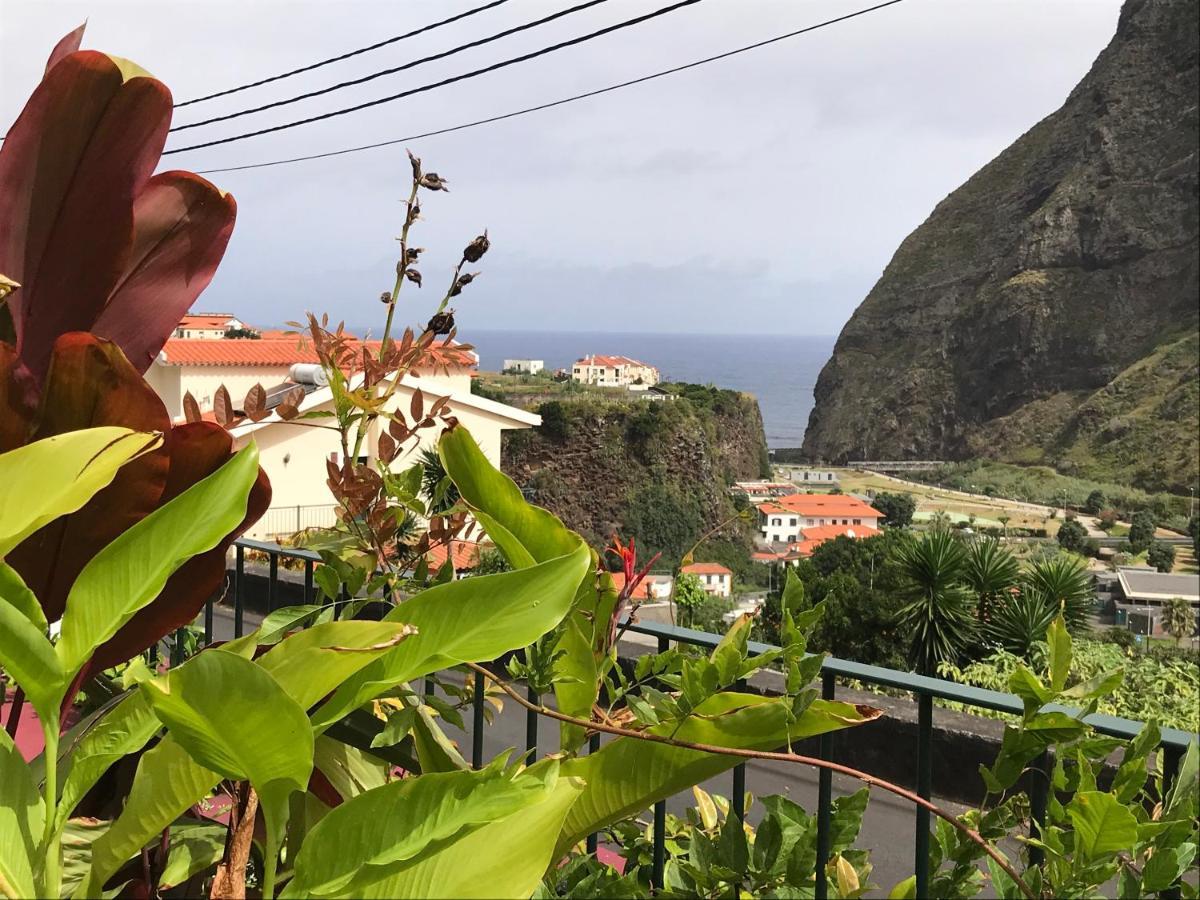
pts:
pixel 593 839
pixel 824 795
pixel 660 817
pixel 238 582
pixel 477 723
pixel 272 580
pixel 1171 758
pixel 297 517
pixel 924 788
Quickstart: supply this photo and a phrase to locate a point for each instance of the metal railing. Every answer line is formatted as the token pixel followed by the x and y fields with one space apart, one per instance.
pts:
pixel 359 731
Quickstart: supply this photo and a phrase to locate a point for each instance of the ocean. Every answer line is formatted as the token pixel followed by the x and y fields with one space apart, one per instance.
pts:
pixel 780 370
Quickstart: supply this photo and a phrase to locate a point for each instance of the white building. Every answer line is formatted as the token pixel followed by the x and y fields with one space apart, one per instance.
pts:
pixel 824 477
pixel 714 577
pixel 613 371
pixel 524 366
pixel 207 326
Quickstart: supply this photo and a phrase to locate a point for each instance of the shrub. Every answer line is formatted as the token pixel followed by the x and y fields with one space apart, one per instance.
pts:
pixel 1141 530
pixel 1072 536
pixel 1161 556
pixel 897 509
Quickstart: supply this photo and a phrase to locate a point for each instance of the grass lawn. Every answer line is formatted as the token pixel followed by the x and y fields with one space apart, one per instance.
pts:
pixel 960 507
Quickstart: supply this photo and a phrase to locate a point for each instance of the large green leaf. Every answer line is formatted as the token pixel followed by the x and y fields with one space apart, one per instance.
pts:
pixel 123 730
pixel 56 476
pixel 167 782
pixel 25 651
pixel 363 840
pixel 627 775
pixel 526 534
pixel 22 819
pixel 235 719
pixel 1102 824
pixel 311 663
pixel 504 858
pixel 131 571
pixel 193 847
pixel 473 620
pixel 1059 642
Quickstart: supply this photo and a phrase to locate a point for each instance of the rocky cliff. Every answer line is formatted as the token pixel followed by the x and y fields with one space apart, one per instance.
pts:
pixel 1046 311
pixel 656 470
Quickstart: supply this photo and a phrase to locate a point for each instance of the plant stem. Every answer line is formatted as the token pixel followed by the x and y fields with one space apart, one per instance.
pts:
pixel 52 864
pixel 864 777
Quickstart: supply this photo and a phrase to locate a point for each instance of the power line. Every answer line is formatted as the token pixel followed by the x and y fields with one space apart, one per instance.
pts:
pixel 400 37
pixel 409 65
pixel 445 81
pixel 551 104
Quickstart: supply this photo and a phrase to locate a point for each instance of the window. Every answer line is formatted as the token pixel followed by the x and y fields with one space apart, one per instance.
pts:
pixel 777 521
pixel 858 521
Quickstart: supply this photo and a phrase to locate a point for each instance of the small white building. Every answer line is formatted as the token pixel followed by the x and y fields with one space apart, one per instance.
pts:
pixel 714 577
pixel 524 366
pixel 824 477
pixel 204 326
pixel 613 371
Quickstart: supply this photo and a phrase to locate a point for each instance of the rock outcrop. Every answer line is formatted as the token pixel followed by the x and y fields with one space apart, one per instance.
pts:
pixel 1027 319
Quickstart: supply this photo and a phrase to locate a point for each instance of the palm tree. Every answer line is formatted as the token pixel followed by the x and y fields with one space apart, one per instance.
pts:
pixel 1179 619
pixel 437 488
pixel 938 613
pixel 1004 519
pixel 990 571
pixel 1063 584
pixel 1020 622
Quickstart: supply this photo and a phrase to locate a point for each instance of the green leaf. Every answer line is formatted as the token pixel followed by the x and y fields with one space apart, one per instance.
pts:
pixel 26 653
pixel 1183 789
pixel 279 622
pixel 123 730
pixel 193 848
pixel 167 782
pixel 1098 686
pixel 846 819
pixel 733 850
pixel 1102 824
pixel 234 718
pixel 904 890
pixel 310 664
pixel 1029 688
pixel 349 770
pixel 58 475
pixel 526 534
pixel 435 751
pixel 793 599
pixel 130 571
pixel 504 858
pixel 22 820
pixel 767 844
pixel 1059 641
pixel 365 839
pixel 473 620
pixel 627 775
pixel 398 725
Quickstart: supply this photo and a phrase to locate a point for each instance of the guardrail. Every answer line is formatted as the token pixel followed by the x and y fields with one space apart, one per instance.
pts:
pixel 359 731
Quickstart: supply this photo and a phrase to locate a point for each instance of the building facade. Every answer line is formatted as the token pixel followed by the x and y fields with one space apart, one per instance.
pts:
pixel 714 577
pixel 783 519
pixel 613 371
pixel 524 366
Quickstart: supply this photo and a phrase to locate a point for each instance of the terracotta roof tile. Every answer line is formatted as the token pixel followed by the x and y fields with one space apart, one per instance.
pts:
pixel 706 568
pixel 279 351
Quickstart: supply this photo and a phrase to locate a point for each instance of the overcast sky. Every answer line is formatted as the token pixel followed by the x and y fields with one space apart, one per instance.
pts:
pixel 761 194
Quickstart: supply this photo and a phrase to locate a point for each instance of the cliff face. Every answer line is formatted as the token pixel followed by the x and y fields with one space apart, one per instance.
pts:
pixel 656 470
pixel 1006 324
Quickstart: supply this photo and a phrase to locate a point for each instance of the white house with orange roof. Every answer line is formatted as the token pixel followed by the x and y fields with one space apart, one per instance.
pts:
pixel 714 577
pixel 292 453
pixel 613 371
pixel 207 326
pixel 781 520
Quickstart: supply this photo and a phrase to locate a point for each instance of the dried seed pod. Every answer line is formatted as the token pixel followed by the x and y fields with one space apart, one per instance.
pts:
pixel 414 276
pixel 477 248
pixel 385 297
pixel 416 164
pixel 432 181
pixel 442 323
pixel 463 280
pixel 411 254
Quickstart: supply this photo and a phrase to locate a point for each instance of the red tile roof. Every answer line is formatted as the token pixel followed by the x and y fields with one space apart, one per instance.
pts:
pixel 814 537
pixel 706 568
pixel 465 554
pixel 643 589
pixel 827 505
pixel 610 361
pixel 279 352
pixel 206 320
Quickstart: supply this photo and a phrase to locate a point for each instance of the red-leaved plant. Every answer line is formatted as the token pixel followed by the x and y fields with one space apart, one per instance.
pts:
pixel 107 257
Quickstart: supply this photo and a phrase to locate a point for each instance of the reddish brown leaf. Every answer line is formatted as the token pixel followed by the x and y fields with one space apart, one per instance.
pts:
pixel 69 44
pixel 18 403
pixel 191 409
pixel 181 225
pixel 90 383
pixel 416 407
pixel 223 407
pixel 255 404
pixel 81 149
pixel 387 447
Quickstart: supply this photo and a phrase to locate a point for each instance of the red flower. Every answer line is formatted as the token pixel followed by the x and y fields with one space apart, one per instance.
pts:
pixel 627 553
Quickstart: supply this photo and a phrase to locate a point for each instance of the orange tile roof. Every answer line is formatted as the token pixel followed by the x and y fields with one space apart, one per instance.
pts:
pixel 830 505
pixel 465 553
pixel 706 568
pixel 610 361
pixel 206 320
pixel 814 537
pixel 643 589
pixel 279 352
